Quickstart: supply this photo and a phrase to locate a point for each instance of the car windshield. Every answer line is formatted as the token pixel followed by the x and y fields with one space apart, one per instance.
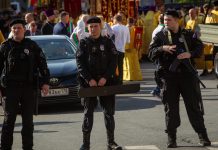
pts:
pixel 56 48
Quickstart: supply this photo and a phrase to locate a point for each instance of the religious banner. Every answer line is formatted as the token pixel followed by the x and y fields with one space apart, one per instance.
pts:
pixel 138 37
pixel 73 7
pixel 104 8
pixel 32 3
pixel 124 6
pixel 92 7
pixel 114 8
pixel 133 8
pixel 108 7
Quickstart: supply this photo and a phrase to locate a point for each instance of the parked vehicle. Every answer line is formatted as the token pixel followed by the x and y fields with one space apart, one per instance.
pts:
pixel 60 54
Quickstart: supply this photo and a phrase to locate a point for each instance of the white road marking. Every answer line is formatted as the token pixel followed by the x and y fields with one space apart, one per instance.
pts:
pixel 147 147
pixel 214 146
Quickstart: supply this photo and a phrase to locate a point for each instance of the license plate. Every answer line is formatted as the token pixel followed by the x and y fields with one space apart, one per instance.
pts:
pixel 56 92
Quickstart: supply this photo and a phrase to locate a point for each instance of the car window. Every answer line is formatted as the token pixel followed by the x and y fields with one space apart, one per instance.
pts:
pixel 57 48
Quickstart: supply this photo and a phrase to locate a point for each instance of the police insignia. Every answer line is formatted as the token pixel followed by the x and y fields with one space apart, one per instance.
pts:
pixel 26 51
pixel 102 47
pixel 181 40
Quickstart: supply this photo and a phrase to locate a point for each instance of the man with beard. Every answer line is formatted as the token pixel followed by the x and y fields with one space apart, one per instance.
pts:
pixel 47 28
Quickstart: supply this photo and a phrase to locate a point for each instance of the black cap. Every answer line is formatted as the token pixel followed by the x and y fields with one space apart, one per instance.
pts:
pixel 17 21
pixel 49 12
pixel 172 13
pixel 215 3
pixel 93 19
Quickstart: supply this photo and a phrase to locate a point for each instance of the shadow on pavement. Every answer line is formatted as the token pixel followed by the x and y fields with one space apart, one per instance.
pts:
pixel 136 104
pixel 64 108
pixel 42 124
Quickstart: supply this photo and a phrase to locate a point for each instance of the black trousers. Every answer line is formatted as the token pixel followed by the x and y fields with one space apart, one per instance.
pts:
pixel 189 89
pixel 23 97
pixel 120 67
pixel 108 105
pixel 157 78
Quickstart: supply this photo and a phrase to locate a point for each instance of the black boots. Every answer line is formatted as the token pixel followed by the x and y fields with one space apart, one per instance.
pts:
pixel 114 146
pixel 171 140
pixel 84 147
pixel 86 142
pixel 111 144
pixel 204 140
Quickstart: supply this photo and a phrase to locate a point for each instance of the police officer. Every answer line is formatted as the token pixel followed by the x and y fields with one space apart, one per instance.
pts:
pixel 97 61
pixel 168 45
pixel 20 60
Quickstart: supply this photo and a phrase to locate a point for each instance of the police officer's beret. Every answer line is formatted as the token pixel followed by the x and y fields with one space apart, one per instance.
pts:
pixel 215 3
pixel 17 21
pixel 93 19
pixel 172 13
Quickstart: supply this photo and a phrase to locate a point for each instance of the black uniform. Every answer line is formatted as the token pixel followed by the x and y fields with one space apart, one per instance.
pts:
pixel 19 65
pixel 97 58
pixel 179 82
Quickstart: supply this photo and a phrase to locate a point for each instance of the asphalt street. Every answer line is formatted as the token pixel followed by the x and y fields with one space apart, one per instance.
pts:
pixel 139 122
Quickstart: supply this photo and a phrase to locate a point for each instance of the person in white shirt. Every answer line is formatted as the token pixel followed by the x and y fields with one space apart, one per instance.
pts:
pixel 80 31
pixel 160 27
pixel 122 37
pixel 29 17
pixel 106 28
pixel 32 31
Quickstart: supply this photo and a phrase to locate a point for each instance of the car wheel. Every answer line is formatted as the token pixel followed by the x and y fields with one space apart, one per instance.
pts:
pixel 216 65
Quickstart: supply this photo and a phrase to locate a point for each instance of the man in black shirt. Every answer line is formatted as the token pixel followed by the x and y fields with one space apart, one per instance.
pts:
pixel 97 61
pixel 20 60
pixel 47 28
pixel 170 45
